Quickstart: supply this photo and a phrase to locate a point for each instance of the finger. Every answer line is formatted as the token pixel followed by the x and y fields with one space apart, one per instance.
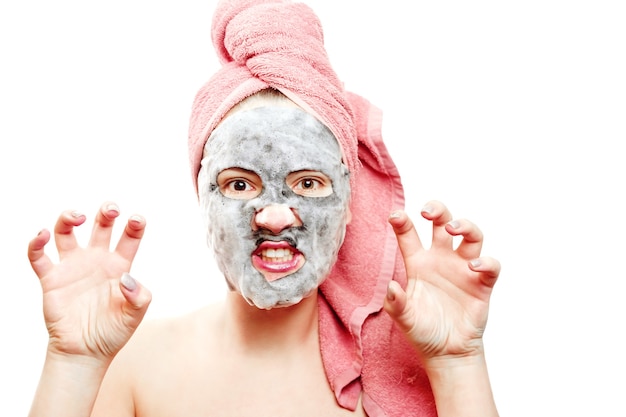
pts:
pixel 64 230
pixel 138 299
pixel 103 225
pixel 396 305
pixel 472 242
pixel 488 269
pixel 408 239
pixel 440 216
pixel 39 261
pixel 131 238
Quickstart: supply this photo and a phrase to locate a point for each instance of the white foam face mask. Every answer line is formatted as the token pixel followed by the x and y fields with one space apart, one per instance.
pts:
pixel 272 143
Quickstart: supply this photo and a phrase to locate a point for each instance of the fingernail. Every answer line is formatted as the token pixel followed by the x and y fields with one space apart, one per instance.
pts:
pixel 391 293
pixel 76 214
pixel 394 214
pixel 454 224
pixel 113 208
pixel 135 218
pixel 475 263
pixel 427 209
pixel 128 282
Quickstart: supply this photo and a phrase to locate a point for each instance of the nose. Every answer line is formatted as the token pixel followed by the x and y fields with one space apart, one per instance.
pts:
pixel 275 218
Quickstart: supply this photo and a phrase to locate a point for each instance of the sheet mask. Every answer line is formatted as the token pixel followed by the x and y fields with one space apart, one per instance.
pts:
pixel 274 142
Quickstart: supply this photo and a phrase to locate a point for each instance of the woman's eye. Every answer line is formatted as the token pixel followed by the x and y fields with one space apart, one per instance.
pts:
pixel 302 183
pixel 309 184
pixel 239 189
pixel 239 185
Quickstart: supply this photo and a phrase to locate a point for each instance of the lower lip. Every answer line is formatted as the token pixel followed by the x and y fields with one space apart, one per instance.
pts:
pixel 276 270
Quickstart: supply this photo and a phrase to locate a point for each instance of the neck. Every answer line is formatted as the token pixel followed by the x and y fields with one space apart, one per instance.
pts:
pixel 284 328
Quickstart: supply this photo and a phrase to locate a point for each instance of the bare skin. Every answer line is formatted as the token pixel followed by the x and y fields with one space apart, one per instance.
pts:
pixel 207 363
pixel 230 359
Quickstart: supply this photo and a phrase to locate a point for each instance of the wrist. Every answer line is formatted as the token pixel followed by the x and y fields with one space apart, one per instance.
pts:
pixel 454 363
pixel 455 353
pixel 461 385
pixel 76 363
pixel 69 385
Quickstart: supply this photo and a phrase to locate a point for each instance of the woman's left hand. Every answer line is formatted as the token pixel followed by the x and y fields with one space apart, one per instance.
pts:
pixel 445 306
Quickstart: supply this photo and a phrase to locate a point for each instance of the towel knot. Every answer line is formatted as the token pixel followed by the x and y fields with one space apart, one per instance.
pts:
pixel 259 27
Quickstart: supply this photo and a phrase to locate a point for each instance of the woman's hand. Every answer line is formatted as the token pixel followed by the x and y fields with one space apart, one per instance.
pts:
pixel 91 305
pixel 445 306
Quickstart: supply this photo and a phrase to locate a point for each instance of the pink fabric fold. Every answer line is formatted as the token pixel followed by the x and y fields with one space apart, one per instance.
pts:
pixel 279 44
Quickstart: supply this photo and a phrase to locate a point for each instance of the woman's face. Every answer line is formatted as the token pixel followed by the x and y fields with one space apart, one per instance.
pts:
pixel 275 198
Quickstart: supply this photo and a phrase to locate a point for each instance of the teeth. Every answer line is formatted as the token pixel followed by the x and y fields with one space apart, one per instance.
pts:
pixel 277 255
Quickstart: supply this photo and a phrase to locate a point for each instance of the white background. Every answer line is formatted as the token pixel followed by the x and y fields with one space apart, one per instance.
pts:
pixel 512 113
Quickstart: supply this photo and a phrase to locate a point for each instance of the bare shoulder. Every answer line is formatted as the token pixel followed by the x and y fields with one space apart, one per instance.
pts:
pixel 172 332
pixel 183 366
pixel 158 340
pixel 161 351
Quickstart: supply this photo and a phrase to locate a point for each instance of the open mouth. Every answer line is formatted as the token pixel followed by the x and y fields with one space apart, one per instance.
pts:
pixel 279 256
pixel 276 260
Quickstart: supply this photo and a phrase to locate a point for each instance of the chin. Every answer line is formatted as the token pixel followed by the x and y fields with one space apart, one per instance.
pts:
pixel 278 295
pixel 284 292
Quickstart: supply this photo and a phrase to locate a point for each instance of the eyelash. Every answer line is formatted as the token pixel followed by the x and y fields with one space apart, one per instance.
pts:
pixel 315 183
pixel 233 184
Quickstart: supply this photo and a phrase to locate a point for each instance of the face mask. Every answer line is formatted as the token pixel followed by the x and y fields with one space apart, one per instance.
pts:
pixel 274 145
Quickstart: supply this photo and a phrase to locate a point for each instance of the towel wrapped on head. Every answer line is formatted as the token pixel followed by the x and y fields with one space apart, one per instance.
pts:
pixel 276 44
pixel 279 44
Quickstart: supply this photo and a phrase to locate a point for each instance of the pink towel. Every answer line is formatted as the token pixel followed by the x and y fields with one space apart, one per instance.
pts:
pixel 279 44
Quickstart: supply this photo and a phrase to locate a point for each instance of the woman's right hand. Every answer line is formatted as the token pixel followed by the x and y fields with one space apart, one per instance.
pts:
pixel 91 305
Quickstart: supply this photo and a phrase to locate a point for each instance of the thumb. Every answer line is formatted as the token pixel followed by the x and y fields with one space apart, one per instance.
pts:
pixel 396 304
pixel 137 296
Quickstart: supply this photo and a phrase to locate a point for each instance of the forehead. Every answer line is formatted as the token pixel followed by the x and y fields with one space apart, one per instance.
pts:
pixel 272 138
